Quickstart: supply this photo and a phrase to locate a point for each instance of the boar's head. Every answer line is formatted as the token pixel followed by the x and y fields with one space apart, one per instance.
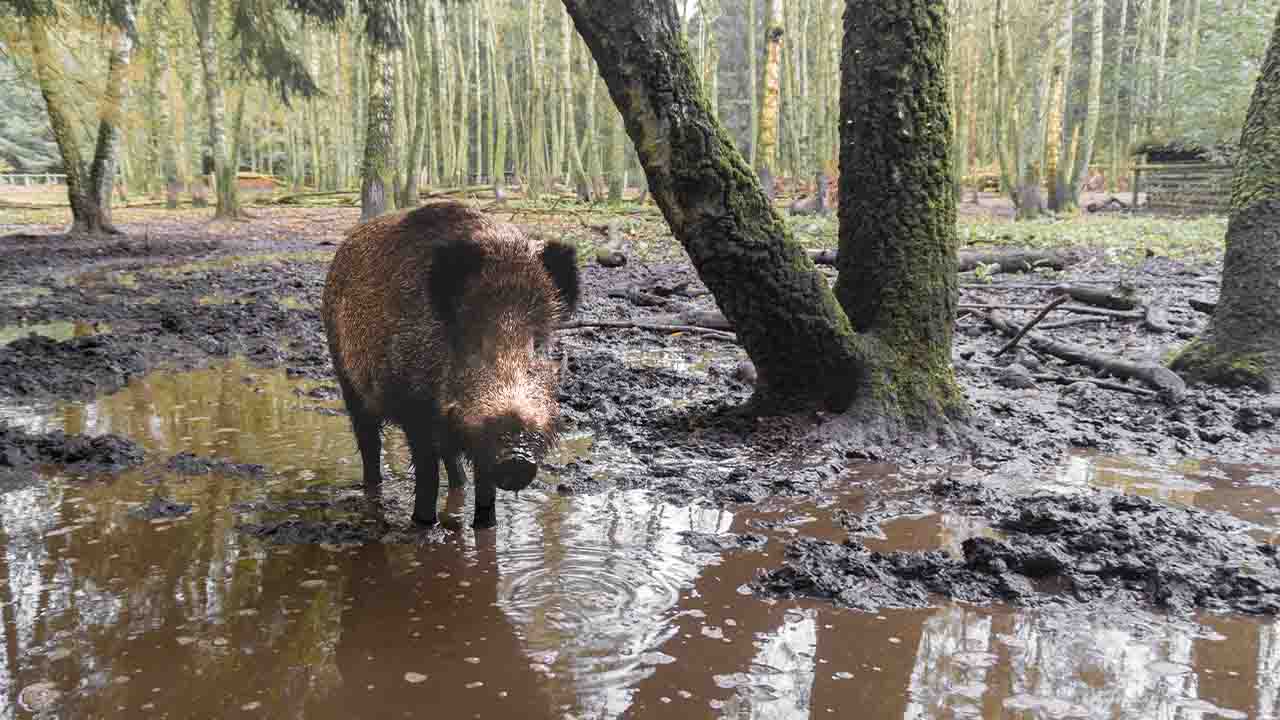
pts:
pixel 500 303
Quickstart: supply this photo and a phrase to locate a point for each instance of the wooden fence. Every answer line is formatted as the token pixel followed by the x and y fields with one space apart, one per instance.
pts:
pixel 1189 187
pixel 25 179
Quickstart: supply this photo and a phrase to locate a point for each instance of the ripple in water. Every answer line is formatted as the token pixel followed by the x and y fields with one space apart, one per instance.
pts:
pixel 592 583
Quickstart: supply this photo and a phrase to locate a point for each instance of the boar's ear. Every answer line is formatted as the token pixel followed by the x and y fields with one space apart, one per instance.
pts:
pixel 561 263
pixel 452 265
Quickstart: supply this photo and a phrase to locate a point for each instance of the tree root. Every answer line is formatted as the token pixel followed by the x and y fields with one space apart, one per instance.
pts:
pixel 1068 380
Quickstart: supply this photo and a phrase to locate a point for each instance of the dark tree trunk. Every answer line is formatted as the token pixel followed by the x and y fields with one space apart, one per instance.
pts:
pixel 1241 345
pixel 897 257
pixel 786 317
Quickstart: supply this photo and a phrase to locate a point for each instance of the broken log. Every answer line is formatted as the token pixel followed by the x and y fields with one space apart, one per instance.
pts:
pixel 1165 381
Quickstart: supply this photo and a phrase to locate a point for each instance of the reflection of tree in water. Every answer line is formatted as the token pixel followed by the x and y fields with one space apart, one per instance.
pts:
pixel 973 663
pixel 951 664
pixel 591 582
pixel 779 684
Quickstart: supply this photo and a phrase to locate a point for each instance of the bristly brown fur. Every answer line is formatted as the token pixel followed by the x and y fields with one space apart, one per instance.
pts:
pixel 437 316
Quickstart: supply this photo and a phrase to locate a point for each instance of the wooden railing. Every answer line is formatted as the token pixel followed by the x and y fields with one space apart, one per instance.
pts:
pixel 25 179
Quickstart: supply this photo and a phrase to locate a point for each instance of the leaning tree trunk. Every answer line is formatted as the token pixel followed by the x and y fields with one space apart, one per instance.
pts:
pixel 1241 345
pixel 377 187
pixel 897 257
pixel 786 317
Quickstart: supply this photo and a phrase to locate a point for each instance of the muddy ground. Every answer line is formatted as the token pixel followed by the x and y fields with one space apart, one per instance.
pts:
pixel 667 411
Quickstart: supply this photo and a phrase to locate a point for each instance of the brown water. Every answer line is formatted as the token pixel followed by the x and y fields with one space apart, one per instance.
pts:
pixel 582 607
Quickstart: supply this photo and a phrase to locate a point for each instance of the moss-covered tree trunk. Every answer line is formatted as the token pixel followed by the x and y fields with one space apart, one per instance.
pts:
pixel 377 185
pixel 897 257
pixel 788 320
pixel 1241 345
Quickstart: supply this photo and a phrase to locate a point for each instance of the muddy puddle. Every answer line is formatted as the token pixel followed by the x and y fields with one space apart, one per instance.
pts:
pixel 599 605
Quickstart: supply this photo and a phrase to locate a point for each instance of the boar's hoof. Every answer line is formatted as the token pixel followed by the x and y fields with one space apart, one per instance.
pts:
pixel 515 474
pixel 486 517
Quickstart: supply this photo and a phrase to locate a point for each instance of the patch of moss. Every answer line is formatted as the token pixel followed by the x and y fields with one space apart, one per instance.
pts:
pixel 1201 360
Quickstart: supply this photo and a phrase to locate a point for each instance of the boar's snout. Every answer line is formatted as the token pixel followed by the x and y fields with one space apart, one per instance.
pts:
pixel 515 474
pixel 516 466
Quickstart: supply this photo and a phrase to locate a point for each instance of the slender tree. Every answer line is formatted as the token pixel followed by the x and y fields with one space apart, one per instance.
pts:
pixel 1241 345
pixel 770 107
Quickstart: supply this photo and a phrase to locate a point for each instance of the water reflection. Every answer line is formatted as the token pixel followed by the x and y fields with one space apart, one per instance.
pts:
pixel 588 606
pixel 1250 492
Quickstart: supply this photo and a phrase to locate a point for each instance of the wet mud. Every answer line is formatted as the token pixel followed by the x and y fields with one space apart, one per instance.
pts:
pixel 679 553
pixel 1082 547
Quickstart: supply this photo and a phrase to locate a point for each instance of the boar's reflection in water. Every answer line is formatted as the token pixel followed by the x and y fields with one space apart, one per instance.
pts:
pixel 438 321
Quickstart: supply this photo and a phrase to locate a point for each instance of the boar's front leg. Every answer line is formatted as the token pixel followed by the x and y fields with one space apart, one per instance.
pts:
pixel 426 471
pixel 486 502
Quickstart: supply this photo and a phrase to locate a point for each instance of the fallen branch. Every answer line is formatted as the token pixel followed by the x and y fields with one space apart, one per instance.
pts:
pixel 1027 328
pixel 1077 309
pixel 1164 380
pixel 1008 260
pixel 1203 306
pixel 656 327
pixel 1070 322
pixel 1068 380
pixel 1097 297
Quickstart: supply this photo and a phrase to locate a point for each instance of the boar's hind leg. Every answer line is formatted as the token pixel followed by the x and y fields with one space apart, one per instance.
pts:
pixel 426 472
pixel 453 466
pixel 369 439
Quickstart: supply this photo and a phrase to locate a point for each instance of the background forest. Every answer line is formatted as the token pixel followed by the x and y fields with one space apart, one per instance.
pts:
pixel 1048 95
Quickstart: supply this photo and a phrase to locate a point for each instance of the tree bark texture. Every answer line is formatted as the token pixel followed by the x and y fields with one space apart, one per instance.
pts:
pixel 377 186
pixel 786 318
pixel 898 242
pixel 1241 345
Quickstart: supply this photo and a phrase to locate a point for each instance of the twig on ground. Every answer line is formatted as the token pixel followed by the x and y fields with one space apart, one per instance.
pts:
pixel 1034 321
pixel 1070 322
pixel 656 327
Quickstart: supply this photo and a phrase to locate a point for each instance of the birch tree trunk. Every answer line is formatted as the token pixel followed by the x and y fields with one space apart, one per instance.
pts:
pixel 377 186
pixel 204 16
pixel 1241 345
pixel 770 110
pixel 1092 111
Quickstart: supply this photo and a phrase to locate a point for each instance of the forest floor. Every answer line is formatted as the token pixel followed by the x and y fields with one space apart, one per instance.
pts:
pixel 663 410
